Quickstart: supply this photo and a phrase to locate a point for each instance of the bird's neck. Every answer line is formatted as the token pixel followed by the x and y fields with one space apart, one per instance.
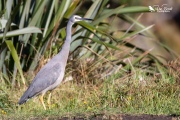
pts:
pixel 66 46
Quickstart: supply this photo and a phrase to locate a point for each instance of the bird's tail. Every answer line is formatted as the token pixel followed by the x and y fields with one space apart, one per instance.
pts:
pixel 22 100
pixel 25 97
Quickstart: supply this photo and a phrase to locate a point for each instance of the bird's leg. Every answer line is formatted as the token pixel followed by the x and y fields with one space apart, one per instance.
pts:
pixel 42 101
pixel 49 99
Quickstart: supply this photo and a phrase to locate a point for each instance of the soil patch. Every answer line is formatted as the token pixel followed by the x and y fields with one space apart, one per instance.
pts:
pixel 119 117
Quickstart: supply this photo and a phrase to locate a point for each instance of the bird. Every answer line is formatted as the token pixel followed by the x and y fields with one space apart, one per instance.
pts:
pixel 52 73
pixel 151 9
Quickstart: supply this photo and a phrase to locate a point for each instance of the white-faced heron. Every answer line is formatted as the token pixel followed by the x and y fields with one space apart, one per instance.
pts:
pixel 51 75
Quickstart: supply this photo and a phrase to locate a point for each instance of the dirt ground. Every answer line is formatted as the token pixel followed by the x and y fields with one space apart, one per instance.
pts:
pixel 116 117
pixel 134 117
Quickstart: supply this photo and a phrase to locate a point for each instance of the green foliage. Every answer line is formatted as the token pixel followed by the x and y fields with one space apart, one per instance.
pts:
pixel 31 43
pixel 134 94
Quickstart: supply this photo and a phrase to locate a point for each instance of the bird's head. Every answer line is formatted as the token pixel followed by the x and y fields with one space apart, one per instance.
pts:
pixel 76 18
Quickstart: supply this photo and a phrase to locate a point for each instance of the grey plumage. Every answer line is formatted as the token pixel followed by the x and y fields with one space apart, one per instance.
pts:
pixel 51 75
pixel 46 77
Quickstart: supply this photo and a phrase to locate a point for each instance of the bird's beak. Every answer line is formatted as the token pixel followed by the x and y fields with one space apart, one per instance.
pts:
pixel 86 19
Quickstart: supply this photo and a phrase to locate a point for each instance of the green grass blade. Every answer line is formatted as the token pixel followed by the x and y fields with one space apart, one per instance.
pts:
pixel 93 10
pixel 74 5
pixel 25 14
pixel 49 18
pixel 136 32
pixel 138 25
pixel 58 18
pixel 101 42
pixel 22 31
pixel 2 57
pixel 121 10
pixel 9 5
pixel 35 19
pixel 14 54
pixel 91 13
pixel 12 16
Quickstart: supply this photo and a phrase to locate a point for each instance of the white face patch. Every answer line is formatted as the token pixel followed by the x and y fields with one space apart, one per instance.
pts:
pixel 77 18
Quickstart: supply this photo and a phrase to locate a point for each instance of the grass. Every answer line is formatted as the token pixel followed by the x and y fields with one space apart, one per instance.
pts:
pixel 132 94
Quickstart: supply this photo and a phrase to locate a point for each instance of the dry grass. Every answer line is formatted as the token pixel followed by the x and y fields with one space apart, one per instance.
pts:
pixel 174 69
pixel 134 93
